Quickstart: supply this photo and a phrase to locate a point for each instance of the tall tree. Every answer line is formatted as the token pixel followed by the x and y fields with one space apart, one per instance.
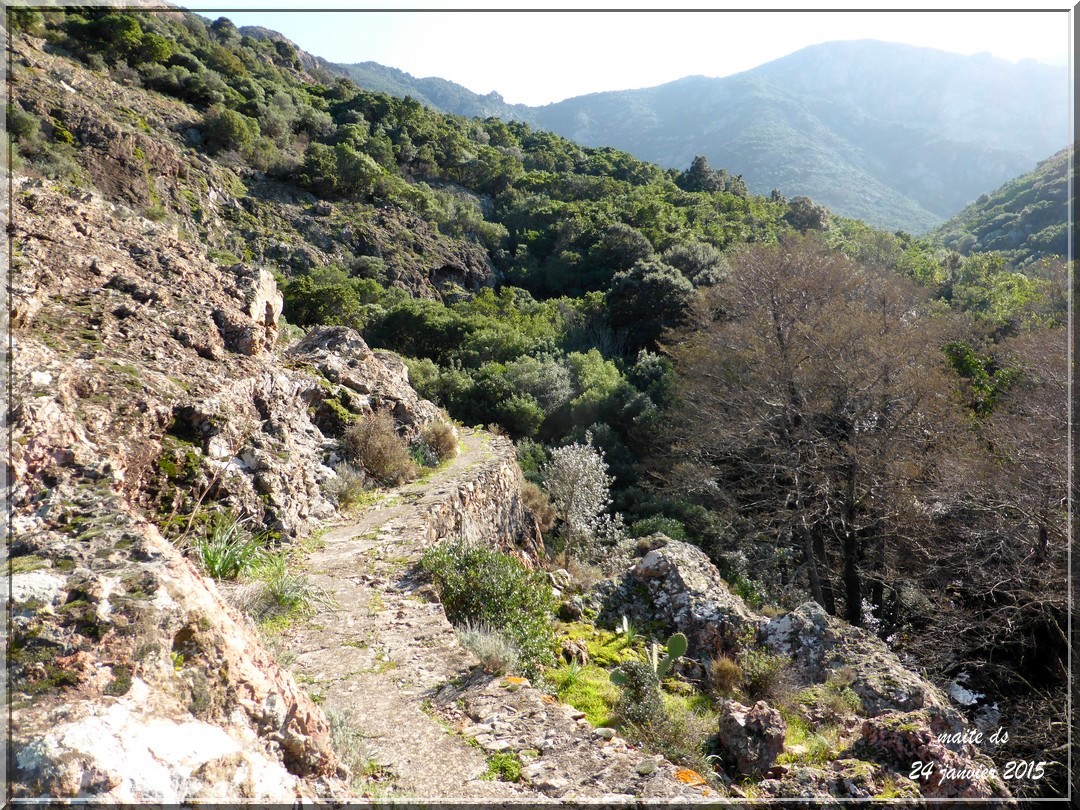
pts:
pixel 813 396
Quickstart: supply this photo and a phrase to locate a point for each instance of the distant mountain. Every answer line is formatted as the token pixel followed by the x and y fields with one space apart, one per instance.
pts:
pixel 896 135
pixel 439 94
pixel 1026 218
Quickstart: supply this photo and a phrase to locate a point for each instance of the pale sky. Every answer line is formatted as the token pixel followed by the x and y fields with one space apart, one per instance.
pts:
pixel 536 57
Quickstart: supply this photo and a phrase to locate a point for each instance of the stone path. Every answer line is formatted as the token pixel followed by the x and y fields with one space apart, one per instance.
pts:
pixel 383 654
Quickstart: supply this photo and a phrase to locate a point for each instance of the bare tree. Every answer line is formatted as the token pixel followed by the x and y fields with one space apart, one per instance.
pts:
pixel 813 395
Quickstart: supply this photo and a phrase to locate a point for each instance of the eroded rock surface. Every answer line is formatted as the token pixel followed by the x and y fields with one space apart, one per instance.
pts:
pixel 133 681
pixel 820 644
pixel 148 379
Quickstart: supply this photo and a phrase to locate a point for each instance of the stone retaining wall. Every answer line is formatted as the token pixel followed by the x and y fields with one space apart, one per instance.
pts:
pixel 485 504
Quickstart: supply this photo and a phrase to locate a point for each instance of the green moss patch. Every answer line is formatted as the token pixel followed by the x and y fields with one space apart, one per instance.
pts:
pixel 588 689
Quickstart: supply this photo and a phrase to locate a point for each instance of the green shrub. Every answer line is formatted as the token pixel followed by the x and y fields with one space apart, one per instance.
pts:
pixel 228 549
pixel 480 585
pixel 225 129
pixel 658 523
pixel 374 444
pixel 28 20
pixel 155 213
pixel 62 134
pixel 22 125
pixel 765 676
pixel 639 702
pixel 498 655
pixel 664 724
pixel 505 767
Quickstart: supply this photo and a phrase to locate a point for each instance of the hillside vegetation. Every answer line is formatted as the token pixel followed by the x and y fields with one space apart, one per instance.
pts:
pixel 829 411
pixel 1025 220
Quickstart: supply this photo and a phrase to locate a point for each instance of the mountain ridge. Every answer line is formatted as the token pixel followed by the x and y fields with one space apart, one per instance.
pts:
pixel 885 149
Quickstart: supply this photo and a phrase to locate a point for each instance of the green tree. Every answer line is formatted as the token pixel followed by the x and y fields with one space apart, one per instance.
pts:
pixel 646 299
pixel 805 215
pixel 225 129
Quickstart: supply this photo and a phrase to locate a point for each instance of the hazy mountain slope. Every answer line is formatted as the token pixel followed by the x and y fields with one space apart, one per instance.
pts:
pixel 749 126
pixel 1027 217
pixel 932 123
pixel 893 134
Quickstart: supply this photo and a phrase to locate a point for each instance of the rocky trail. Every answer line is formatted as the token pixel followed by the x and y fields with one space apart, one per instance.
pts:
pixel 381 653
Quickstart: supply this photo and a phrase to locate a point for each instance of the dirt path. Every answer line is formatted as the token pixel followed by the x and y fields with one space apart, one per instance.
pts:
pixel 376 653
pixel 384 656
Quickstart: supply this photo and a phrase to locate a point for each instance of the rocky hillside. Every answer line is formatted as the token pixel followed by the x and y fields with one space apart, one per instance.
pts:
pixel 149 391
pixel 439 94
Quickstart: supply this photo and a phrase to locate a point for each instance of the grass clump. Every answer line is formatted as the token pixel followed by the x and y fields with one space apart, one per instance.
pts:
pixel 348 744
pixel 834 701
pixel 504 767
pixel 375 445
pixel 538 502
pixel 228 549
pixel 725 676
pixel 275 594
pixel 812 746
pixel 588 689
pixel 498 655
pixel 480 585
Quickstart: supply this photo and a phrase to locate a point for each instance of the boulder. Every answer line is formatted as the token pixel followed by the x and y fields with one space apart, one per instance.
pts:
pixel 377 379
pixel 955 770
pixel 677 585
pixel 751 738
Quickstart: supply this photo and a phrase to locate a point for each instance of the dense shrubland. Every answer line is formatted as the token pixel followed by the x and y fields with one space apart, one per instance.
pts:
pixel 829 410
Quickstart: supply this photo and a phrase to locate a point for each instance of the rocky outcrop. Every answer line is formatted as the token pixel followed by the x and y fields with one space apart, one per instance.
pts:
pixel 819 645
pixel 676 584
pixel 673 587
pixel 148 377
pixel 373 379
pixel 953 770
pixel 132 681
pixel 148 359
